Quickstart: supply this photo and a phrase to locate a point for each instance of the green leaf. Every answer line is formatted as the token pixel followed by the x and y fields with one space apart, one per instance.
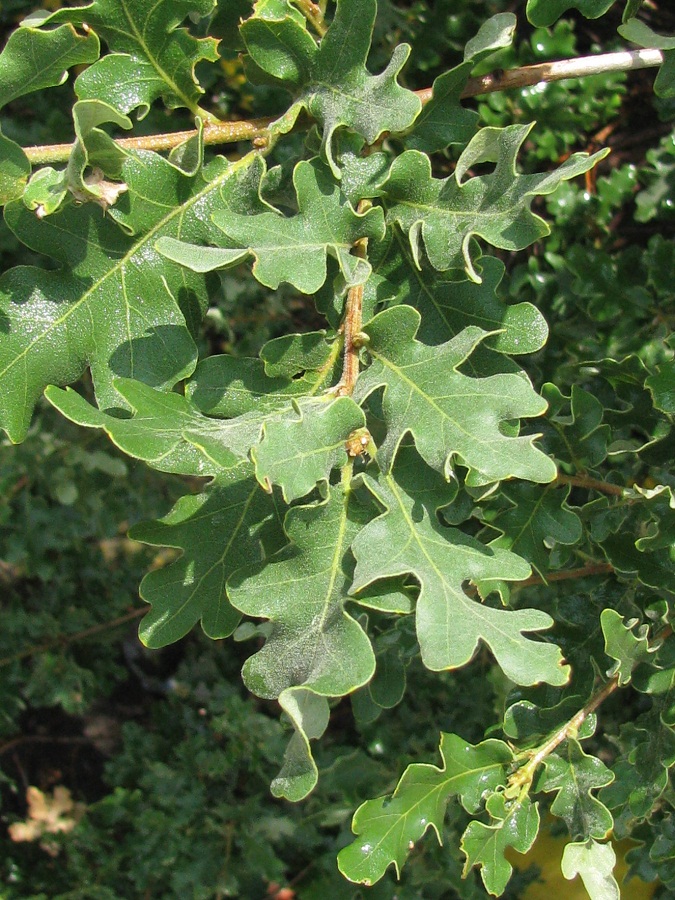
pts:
pixel 409 539
pixel 217 532
pixel 443 120
pixel 114 304
pixel 313 645
pixel 151 57
pixel 594 862
pixel 662 387
pixel 331 81
pixel 573 775
pixel 447 305
pixel 545 12
pixel 639 33
pixel 309 715
pixel 449 414
pixel 622 645
pixel 574 431
pixel 444 214
pixel 389 827
pixel 537 520
pixel 294 249
pixel 296 453
pixel 31 61
pixel 166 432
pixel 512 824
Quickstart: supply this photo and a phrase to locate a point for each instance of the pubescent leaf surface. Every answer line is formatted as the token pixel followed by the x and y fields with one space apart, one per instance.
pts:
pixel 442 215
pixel 408 539
pixel 115 304
pixel 449 414
pixel 151 57
pixel 331 80
pixel 217 532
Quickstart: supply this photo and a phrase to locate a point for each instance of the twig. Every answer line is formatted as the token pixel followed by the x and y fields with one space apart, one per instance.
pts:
pixel 522 779
pixel 582 572
pixel 233 132
pixel 352 323
pixel 64 640
pixel 314 15
pixel 594 484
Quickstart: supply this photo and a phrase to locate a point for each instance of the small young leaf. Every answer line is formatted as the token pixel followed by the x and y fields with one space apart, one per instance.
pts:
pixel 388 828
pixel 573 775
pixel 594 862
pixel 514 824
pixel 624 646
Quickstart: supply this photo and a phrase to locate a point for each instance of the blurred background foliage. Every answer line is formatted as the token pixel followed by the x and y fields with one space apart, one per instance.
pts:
pixel 168 755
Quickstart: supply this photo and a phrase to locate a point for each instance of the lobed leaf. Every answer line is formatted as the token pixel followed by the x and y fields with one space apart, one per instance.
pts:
pixel 409 539
pixel 448 413
pixel 623 645
pixel 218 533
pixel 114 304
pixel 594 862
pixel 442 215
pixel 330 81
pixel 639 33
pixel 313 645
pixel 388 828
pixel 536 521
pixel 573 774
pixel 512 823
pixel 32 60
pixel 545 12
pixel 151 57
pixel 295 248
pixel 443 120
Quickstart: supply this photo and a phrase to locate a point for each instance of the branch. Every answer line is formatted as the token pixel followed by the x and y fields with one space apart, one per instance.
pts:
pixel 64 640
pixel 233 132
pixel 594 484
pixel 522 779
pixel 353 321
pixel 601 568
pixel 314 15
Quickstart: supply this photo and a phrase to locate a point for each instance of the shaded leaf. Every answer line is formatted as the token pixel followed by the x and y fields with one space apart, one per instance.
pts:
pixel 573 774
pixel 639 33
pixel 449 414
pixel 388 828
pixel 545 12
pixel 217 532
pixel 443 120
pixel 536 521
